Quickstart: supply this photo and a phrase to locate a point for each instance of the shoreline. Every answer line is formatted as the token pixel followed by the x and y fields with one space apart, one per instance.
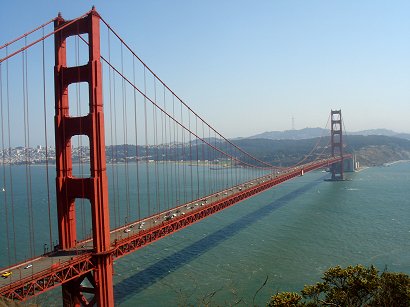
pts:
pixel 395 162
pixel 386 164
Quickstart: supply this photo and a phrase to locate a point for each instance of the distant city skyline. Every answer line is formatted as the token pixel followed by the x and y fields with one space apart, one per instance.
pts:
pixel 299 133
pixel 247 68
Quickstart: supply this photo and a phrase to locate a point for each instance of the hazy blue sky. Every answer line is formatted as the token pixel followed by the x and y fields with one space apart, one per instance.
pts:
pixel 250 66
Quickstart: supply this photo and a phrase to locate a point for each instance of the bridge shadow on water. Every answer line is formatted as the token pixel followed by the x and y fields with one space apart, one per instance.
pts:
pixel 158 270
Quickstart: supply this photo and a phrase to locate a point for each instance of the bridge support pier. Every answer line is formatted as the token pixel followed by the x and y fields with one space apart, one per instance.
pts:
pixel 94 188
pixel 337 169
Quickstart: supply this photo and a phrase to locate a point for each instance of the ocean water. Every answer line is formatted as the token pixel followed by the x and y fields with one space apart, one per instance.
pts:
pixel 288 236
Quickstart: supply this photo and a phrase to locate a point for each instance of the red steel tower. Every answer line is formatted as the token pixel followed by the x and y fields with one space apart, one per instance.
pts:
pixel 94 188
pixel 337 143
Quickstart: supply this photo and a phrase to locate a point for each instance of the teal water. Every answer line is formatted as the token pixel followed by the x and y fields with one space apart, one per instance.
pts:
pixel 289 234
pixel 135 191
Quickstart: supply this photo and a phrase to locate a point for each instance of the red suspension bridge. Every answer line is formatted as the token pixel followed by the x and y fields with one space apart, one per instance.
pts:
pixel 128 173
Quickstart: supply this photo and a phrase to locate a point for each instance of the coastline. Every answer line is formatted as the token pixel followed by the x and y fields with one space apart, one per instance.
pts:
pixel 395 162
pixel 387 164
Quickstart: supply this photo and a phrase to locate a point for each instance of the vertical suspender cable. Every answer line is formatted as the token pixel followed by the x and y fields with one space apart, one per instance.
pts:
pixel 197 157
pixel 190 156
pixel 215 159
pixel 171 163
pixel 210 161
pixel 110 81
pixel 184 162
pixel 146 143
pixel 125 136
pixel 46 145
pixel 236 167
pixel 178 165
pixel 205 155
pixel 5 187
pixel 29 160
pixel 136 143
pixel 175 147
pixel 115 155
pixel 165 156
pixel 9 154
pixel 155 127
pixel 27 153
pixel 227 169
pixel 204 159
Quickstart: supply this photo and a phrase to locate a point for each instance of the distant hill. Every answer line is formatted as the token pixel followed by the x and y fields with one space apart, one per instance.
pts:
pixel 370 150
pixel 384 132
pixel 308 133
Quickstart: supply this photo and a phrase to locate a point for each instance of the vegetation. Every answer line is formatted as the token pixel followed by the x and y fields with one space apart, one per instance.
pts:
pixel 354 286
pixel 370 150
pixel 9 303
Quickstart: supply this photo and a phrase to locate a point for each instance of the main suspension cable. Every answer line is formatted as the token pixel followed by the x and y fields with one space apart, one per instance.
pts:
pixel 181 101
pixel 28 33
pixel 42 38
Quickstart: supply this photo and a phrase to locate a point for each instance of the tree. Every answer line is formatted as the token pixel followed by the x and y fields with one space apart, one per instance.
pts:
pixel 394 290
pixel 285 299
pixel 354 286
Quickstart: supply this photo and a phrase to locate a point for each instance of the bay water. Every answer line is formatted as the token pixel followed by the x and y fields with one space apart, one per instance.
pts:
pixel 287 236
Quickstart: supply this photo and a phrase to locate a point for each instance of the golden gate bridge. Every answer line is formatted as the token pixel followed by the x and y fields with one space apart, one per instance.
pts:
pixel 118 128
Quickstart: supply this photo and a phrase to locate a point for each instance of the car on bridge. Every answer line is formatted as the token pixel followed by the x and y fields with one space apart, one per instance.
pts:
pixel 6 274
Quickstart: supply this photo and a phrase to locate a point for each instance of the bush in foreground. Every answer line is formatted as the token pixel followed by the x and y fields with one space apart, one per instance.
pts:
pixel 354 286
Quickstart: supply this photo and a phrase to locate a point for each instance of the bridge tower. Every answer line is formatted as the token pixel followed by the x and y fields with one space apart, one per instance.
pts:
pixel 337 143
pixel 94 188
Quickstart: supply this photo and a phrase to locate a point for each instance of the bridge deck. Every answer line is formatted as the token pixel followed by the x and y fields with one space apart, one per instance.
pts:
pixel 53 269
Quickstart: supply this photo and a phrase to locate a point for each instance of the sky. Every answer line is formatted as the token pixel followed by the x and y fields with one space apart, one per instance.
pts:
pixel 251 66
